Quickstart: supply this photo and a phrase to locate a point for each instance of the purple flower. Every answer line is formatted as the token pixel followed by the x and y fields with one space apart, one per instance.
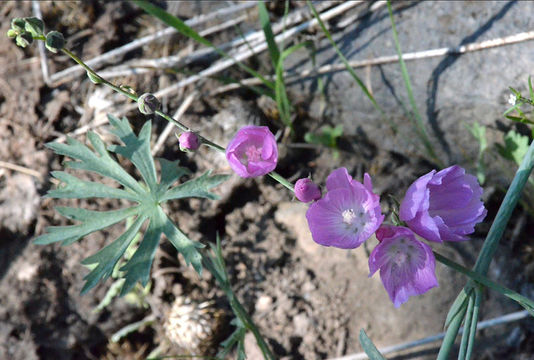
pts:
pixel 407 265
pixel 347 215
pixel 443 206
pixel 188 141
pixel 252 152
pixel 306 190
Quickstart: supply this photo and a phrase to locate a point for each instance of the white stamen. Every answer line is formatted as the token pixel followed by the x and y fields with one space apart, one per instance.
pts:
pixel 348 216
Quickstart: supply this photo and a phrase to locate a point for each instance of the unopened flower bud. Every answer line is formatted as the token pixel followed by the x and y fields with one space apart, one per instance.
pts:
pixel 306 190
pixel 188 141
pixel 34 26
pixel 24 39
pixel 18 24
pixel 54 41
pixel 95 79
pixel 148 104
pixel 12 33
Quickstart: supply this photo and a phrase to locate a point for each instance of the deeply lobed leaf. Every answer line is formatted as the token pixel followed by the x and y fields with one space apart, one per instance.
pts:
pixel 148 198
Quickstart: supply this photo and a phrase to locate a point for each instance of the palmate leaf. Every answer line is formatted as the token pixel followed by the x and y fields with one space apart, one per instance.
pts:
pixel 147 196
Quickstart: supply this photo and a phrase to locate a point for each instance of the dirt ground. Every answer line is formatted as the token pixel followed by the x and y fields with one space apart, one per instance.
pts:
pixel 310 302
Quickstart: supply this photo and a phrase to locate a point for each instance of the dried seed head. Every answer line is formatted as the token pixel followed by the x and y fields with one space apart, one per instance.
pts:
pixel 193 326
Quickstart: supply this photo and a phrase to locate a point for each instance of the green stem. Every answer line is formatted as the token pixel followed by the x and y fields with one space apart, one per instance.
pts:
pixel 177 123
pixel 452 332
pixel 481 279
pixel 505 212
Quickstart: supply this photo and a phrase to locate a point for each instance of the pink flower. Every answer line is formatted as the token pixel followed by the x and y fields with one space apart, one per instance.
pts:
pixel 252 152
pixel 188 141
pixel 443 206
pixel 306 190
pixel 347 215
pixel 407 265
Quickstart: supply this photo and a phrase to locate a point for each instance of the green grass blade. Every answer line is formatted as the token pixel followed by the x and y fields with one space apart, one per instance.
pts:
pixel 474 323
pixel 450 335
pixel 370 348
pixel 418 123
pixel 505 212
pixel 467 328
pixel 274 52
pixel 182 28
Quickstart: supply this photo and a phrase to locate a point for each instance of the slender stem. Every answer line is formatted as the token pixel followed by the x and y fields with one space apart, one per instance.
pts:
pixel 467 329
pixel 177 123
pixel 481 279
pixel 450 335
pixel 505 212
pixel 474 323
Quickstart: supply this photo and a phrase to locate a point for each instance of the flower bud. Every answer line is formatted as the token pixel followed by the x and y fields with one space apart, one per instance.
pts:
pixel 54 41
pixel 306 190
pixel 34 26
pixel 95 79
pixel 12 33
pixel 148 104
pixel 18 24
pixel 188 141
pixel 24 39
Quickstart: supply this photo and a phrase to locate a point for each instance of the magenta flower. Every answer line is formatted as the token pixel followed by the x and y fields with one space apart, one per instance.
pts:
pixel 347 215
pixel 188 141
pixel 443 206
pixel 252 152
pixel 306 190
pixel 407 265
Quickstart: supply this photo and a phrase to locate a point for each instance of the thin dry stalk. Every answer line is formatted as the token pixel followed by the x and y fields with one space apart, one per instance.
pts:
pixel 21 169
pixel 143 66
pixel 224 64
pixel 68 73
pixel 36 8
pixel 483 45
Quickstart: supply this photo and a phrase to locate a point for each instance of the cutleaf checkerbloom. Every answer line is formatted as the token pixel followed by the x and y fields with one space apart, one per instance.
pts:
pixel 252 152
pixel 347 215
pixel 443 206
pixel 407 265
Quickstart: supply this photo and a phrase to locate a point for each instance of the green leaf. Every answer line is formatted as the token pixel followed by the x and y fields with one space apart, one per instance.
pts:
pixel 101 162
pixel 136 149
pixel 183 244
pixel 108 257
pixel 459 305
pixel 91 221
pixel 138 267
pixel 74 188
pixel 170 173
pixel 268 32
pixel 327 137
pixel 196 187
pixel 147 193
pixel 515 146
pixel 369 348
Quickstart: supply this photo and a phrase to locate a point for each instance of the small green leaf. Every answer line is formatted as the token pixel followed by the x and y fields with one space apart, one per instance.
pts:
pixel 515 146
pixel 54 41
pixel 369 348
pixel 34 26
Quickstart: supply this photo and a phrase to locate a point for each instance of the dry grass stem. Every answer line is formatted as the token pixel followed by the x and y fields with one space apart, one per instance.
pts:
pixel 21 169
pixel 65 75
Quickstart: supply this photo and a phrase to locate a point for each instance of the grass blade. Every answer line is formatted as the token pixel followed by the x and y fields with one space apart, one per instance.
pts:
pixel 369 348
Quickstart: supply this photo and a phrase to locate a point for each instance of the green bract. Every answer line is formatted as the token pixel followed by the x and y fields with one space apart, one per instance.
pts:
pixel 148 196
